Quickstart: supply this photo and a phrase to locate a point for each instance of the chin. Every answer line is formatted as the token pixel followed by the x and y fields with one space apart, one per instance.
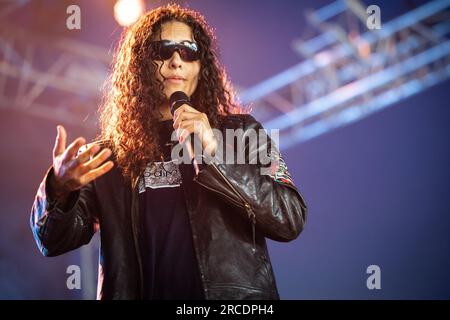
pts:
pixel 170 91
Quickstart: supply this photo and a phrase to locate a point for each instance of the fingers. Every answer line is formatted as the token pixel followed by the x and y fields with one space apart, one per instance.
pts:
pixel 193 125
pixel 182 135
pixel 185 108
pixel 88 153
pixel 72 149
pixel 182 117
pixel 60 143
pixel 95 173
pixel 76 171
pixel 186 115
pixel 188 127
pixel 95 162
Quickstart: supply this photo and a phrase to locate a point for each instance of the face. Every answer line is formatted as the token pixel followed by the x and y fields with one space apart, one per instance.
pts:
pixel 177 74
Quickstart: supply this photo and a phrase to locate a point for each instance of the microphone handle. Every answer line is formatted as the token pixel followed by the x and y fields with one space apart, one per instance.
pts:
pixel 190 150
pixel 192 155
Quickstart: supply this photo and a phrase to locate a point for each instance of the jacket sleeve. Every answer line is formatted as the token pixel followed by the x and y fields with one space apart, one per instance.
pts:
pixel 58 230
pixel 265 189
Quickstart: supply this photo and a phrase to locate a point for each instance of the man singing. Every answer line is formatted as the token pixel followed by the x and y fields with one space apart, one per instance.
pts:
pixel 170 229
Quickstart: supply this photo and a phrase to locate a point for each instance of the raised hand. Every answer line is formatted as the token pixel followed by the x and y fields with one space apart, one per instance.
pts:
pixel 72 171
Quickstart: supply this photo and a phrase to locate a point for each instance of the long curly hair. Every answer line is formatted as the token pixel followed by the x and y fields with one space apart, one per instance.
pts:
pixel 129 114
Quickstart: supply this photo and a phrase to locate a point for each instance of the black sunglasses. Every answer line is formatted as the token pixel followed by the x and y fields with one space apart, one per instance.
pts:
pixel 164 49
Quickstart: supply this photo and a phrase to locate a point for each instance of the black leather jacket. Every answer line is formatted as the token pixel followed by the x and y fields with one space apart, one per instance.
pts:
pixel 232 209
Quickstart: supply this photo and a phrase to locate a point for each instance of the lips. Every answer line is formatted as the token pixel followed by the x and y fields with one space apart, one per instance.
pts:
pixel 175 78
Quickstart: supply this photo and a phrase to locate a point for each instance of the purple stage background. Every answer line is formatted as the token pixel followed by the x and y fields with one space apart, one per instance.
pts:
pixel 378 190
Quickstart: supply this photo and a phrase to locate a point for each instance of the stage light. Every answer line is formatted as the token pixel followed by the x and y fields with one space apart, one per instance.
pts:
pixel 127 12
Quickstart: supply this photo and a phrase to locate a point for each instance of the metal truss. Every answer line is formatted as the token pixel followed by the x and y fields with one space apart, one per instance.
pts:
pixel 347 76
pixel 53 78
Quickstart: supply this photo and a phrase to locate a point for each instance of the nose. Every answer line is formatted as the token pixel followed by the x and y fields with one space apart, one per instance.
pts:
pixel 175 60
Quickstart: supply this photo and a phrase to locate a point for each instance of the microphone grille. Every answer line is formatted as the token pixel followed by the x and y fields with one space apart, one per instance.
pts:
pixel 177 99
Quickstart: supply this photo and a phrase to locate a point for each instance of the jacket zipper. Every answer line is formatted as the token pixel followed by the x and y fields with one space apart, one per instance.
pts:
pixel 135 236
pixel 250 213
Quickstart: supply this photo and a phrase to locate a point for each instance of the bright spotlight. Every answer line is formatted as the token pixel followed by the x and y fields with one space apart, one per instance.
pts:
pixel 127 12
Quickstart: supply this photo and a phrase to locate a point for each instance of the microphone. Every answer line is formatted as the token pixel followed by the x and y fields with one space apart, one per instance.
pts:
pixel 177 99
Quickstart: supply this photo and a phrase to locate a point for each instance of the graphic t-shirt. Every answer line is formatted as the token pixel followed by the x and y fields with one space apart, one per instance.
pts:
pixel 170 265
